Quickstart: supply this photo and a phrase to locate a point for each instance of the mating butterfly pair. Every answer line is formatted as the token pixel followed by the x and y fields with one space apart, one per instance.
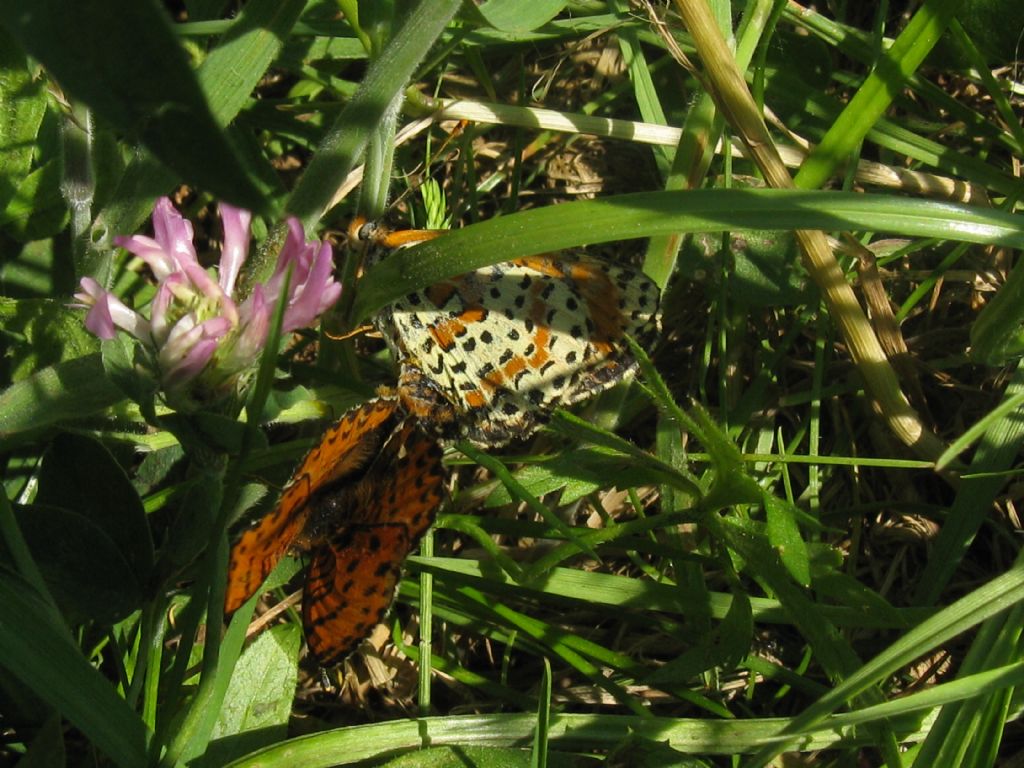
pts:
pixel 359 502
pixel 486 356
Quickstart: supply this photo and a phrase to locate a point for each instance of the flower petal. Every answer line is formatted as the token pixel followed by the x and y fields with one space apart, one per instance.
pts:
pixel 107 312
pixel 173 232
pixel 316 293
pixel 236 244
pixel 150 251
pixel 191 365
pixel 252 335
pixel 189 348
pixel 160 308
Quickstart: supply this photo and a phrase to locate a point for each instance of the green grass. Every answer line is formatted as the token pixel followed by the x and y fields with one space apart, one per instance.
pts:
pixel 795 532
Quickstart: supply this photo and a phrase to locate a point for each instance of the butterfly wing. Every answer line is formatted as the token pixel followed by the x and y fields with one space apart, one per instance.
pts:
pixel 345 448
pixel 351 581
pixel 408 482
pixel 505 345
pixel 349 588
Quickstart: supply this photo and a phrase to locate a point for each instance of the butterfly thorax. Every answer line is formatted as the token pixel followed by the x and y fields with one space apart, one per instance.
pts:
pixel 336 507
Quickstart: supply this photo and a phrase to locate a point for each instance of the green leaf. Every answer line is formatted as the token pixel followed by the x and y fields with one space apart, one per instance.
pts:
pixel 38 650
pixel 35 270
pixel 469 756
pixel 233 69
pixel 997 334
pixel 569 732
pixel 47 748
pixel 126 365
pixel 736 631
pixel 258 701
pixel 82 566
pixel 639 752
pixel 664 213
pixel 122 58
pixel 578 472
pixel 36 209
pixel 995 26
pixel 784 536
pixel 724 647
pixel 518 16
pixel 227 75
pixel 192 527
pixel 22 106
pixel 31 206
pixel 206 431
pixel 70 390
pixel 79 474
pixel 54 333
pixel 895 64
pixel 846 590
pixel 575 427
pixel 765 268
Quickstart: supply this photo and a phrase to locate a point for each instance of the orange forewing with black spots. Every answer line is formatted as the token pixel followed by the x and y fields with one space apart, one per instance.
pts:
pixel 345 449
pixel 376 522
pixel 359 502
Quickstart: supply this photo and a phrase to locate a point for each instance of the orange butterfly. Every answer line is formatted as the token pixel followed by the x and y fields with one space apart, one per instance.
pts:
pixel 359 503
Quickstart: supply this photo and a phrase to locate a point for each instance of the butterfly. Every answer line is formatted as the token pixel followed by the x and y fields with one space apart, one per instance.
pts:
pixel 358 504
pixel 490 354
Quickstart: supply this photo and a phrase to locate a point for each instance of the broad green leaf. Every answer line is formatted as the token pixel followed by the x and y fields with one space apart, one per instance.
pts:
pixel 36 209
pixel 518 15
pixel 31 206
pixel 79 474
pixel 190 532
pixel 156 467
pixel 83 567
pixel 22 105
pixel 569 732
pixel 258 701
pixel 47 748
pixel 736 631
pixel 765 270
pixel 995 26
pixel 53 332
pixel 227 75
pixel 122 58
pixel 35 271
pixel 469 756
pixel 206 431
pixel 71 390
